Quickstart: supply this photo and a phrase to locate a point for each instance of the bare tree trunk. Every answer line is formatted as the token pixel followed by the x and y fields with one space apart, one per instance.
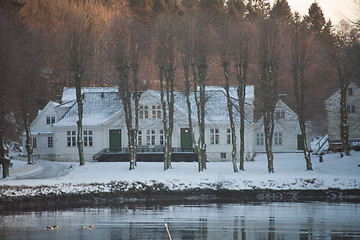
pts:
pixel 241 58
pixel 226 66
pixel 299 60
pixel 344 78
pixel 268 63
pixel 79 98
pixel 28 146
pixel 4 159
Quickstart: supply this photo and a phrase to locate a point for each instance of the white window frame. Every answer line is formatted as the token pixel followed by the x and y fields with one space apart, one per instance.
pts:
pixel 161 137
pixel 228 136
pixel 34 142
pixel 150 137
pixel 214 136
pixel 260 139
pixel 88 138
pixel 140 137
pixel 278 139
pixel 50 142
pixel 71 138
pixel 280 114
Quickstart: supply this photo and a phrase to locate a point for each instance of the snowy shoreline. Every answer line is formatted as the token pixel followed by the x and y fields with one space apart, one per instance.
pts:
pixel 152 196
pixel 334 179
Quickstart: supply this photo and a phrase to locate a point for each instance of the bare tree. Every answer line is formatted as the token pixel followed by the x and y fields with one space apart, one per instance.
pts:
pixel 194 51
pixel 344 60
pixel 78 33
pixel 166 60
pixel 226 48
pixel 199 66
pixel 124 50
pixel 241 58
pixel 268 66
pixel 300 46
pixel 225 63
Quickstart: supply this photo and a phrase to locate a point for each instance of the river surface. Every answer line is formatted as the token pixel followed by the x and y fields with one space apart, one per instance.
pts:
pixel 315 220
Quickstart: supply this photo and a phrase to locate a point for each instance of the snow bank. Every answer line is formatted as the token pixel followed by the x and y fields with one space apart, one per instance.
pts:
pixel 290 174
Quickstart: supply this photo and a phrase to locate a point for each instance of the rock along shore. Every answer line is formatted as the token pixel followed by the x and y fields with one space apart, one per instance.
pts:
pixel 157 195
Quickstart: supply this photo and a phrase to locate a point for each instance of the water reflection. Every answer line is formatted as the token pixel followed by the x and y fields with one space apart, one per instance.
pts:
pixel 214 221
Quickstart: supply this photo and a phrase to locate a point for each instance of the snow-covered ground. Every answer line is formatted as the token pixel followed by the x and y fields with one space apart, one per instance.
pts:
pixel 290 173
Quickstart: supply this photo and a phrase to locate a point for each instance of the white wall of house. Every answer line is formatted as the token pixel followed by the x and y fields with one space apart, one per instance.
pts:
pixel 286 131
pixel 65 150
pixel 332 105
pixel 150 127
pixel 41 130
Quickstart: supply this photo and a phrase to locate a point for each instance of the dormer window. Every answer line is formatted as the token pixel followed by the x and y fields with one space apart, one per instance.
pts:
pixel 280 114
pixel 350 91
pixel 50 120
pixel 350 108
pixel 145 110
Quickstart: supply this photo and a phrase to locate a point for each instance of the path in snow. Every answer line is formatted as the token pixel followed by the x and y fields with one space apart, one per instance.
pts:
pixel 45 170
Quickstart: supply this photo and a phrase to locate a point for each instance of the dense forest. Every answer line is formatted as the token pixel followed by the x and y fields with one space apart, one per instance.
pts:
pixel 46 45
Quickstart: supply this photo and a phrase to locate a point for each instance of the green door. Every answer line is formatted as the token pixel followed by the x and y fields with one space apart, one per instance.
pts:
pixel 300 144
pixel 186 141
pixel 115 139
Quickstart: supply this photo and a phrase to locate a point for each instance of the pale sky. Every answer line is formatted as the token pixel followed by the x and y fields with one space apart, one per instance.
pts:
pixel 333 9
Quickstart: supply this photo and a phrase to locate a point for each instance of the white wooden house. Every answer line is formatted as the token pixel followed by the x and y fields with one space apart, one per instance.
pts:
pixel 287 134
pixel 332 105
pixel 104 124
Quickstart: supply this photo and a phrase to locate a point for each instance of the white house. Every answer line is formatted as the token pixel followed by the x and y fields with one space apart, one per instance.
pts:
pixel 287 134
pixel 104 124
pixel 332 105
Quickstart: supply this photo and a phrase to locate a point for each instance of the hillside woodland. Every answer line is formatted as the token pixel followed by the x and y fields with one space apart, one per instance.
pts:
pixel 46 45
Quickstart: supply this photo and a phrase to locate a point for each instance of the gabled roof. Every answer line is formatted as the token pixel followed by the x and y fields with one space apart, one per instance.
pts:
pixel 48 107
pixel 335 98
pixel 98 108
pixel 101 106
pixel 70 93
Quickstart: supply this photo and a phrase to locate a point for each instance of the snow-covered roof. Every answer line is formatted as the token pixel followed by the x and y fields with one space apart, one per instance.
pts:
pixel 216 105
pixel 70 93
pixel 103 104
pixel 98 108
pixel 249 91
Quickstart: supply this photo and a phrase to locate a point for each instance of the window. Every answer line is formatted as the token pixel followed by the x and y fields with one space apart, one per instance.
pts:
pixel 71 138
pixel 88 138
pixel 50 142
pixel 50 120
pixel 141 111
pixel 350 91
pixel 350 108
pixel 161 137
pixel 139 137
pixel 158 111
pixel 260 139
pixel 146 111
pixel 280 114
pixel 214 136
pixel 278 138
pixel 228 136
pixel 34 143
pixel 223 155
pixel 150 137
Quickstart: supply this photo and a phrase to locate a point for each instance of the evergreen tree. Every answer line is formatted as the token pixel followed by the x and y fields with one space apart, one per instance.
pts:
pixel 281 11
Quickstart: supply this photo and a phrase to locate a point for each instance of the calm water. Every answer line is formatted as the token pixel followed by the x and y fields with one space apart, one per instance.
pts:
pixel 319 220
